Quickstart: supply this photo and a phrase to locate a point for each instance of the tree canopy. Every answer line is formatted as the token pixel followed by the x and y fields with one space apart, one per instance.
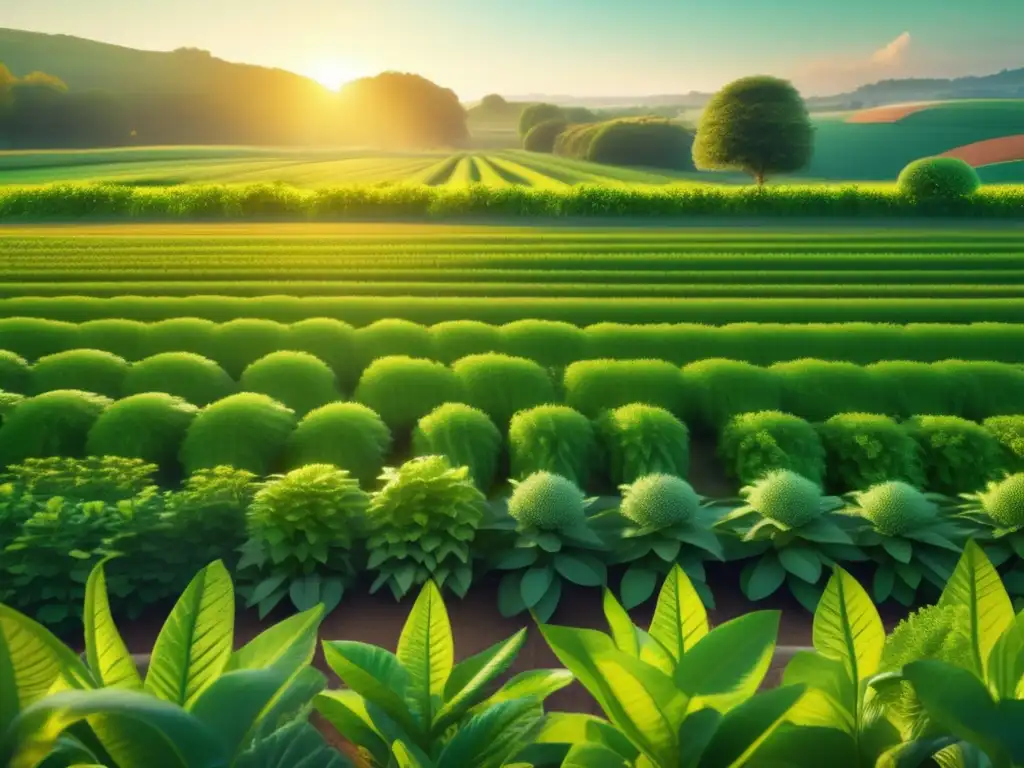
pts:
pixel 535 114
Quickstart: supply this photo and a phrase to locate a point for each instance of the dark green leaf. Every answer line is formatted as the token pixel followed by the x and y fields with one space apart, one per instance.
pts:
pixel 577 571
pixel 545 607
pixel 637 586
pixel 900 550
pixel 535 584
pixel 510 596
pixel 801 562
pixel 305 593
pixel 766 577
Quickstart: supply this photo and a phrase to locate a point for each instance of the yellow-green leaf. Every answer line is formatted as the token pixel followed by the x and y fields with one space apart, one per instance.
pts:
pixel 680 619
pixel 105 650
pixel 427 652
pixel 622 627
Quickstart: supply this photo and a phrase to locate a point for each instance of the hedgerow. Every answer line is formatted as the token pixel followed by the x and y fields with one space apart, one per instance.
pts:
pixel 193 378
pixel 640 439
pixel 126 338
pixel 863 449
pixel 465 436
pixel 347 435
pixel 244 341
pixel 818 389
pixel 593 386
pixel 984 388
pixel 500 385
pixel 51 424
pixel 460 338
pixel 404 389
pixel 552 438
pixel 386 338
pixel 149 426
pixel 296 379
pixel 551 343
pixel 911 388
pixel 753 444
pixel 717 390
pixel 333 342
pixel 959 456
pixel 89 370
pixel 14 373
pixel 33 338
pixel 183 334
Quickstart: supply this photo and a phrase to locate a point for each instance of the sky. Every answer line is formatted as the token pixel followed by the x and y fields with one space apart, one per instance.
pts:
pixel 574 47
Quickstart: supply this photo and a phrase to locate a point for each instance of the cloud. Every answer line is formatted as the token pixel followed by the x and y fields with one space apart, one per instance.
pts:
pixel 844 72
pixel 893 53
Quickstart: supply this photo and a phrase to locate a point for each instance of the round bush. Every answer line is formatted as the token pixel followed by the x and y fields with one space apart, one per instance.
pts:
pixel 89 370
pixel 863 449
pixel 463 434
pixel 1003 501
pixel 193 378
pixel 552 438
pixel 819 389
pixel 541 138
pixel 911 388
pixel 296 379
pixel 642 141
pixel 183 334
pixel 593 386
pixel 15 375
pixel 405 389
pixel 895 508
pixel 332 341
pixel 127 338
pixel 785 497
pixel 959 456
pixel 535 114
pixel 640 440
pixel 52 424
pixel 245 431
pixel 547 501
pixel 33 338
pixel 500 385
pixel 386 338
pixel 938 179
pixel 720 389
pixel 149 426
pixel 456 339
pixel 1009 431
pixel 659 501
pixel 551 343
pixel 347 435
pixel 754 443
pixel 242 342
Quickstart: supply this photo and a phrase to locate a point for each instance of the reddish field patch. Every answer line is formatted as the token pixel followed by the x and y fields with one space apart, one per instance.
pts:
pixel 890 113
pixel 1002 150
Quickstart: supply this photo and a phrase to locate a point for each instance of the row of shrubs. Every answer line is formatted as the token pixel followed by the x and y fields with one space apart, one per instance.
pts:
pixel 354 202
pixel 347 350
pixel 651 142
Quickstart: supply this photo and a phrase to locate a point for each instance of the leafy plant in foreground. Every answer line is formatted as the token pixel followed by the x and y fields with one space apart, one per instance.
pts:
pixel 1000 509
pixel 417 707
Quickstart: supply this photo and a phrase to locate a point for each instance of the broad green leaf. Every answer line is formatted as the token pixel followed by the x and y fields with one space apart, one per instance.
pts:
pixel 695 734
pixel 195 643
pixel 802 562
pixel 976 585
pixel 545 607
pixel 900 550
pixel 807 746
pixel 637 586
pixel 728 665
pixel 292 700
pixel 492 736
pixel 766 577
pixel 378 676
pixel 9 705
pixel 536 684
pixel 295 744
pixel 824 531
pixel 427 651
pixel 578 728
pixel 465 685
pixel 622 627
pixel 654 653
pixel 291 642
pixel 593 756
pixel 742 730
pixel 349 714
pixel 680 620
pixel 405 757
pixel 510 595
pixel 535 584
pixel 1005 672
pixel 831 696
pixel 578 571
pixel 108 656
pixel 643 702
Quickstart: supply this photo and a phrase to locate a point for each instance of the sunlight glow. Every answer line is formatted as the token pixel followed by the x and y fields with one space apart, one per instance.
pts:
pixel 333 73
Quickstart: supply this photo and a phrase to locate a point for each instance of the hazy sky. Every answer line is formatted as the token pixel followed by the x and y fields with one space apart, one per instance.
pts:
pixel 579 47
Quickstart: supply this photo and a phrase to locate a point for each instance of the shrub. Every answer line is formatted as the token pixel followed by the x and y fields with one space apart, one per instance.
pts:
pixel 642 141
pixel 755 443
pixel 535 114
pixel 8 402
pixel 404 389
pixel 547 502
pixel 456 339
pixel 718 390
pixel 785 497
pixel 933 179
pixel 126 338
pixel 465 436
pixel 659 501
pixel 14 373
pixel 183 334
pixel 296 379
pixel 984 388
pixel 386 338
pixel 641 440
pixel 347 435
pixel 542 136
pixel 500 385
pixel 552 438
pixel 52 424
pixel 895 508
pixel 33 338
pixel 575 140
pixel 818 389
pixel 1003 501
pixel 109 479
pixel 910 388
pixel 242 342
pixel 89 370
pixel 193 378
pixel 863 449
pixel 332 341
pixel 593 386
pixel 551 343
pixel 148 426
pixel 245 431
pixel 959 456
pixel 1009 431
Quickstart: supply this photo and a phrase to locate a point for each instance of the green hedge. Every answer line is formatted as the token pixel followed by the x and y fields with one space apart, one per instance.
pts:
pixel 347 435
pixel 593 386
pixel 753 444
pixel 191 377
pixel 296 379
pixel 89 370
pixel 501 385
pixel 404 389
pixel 552 438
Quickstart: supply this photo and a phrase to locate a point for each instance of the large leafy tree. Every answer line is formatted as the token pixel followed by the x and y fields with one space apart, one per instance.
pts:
pixel 758 125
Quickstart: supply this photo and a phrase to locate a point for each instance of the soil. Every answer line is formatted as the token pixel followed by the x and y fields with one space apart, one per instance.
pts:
pixel 889 114
pixel 1002 150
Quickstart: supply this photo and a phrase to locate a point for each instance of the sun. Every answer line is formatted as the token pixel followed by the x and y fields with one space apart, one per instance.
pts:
pixel 333 73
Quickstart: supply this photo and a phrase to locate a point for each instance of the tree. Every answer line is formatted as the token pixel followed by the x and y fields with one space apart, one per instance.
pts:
pixel 492 102
pixel 542 136
pixel 535 114
pixel 758 125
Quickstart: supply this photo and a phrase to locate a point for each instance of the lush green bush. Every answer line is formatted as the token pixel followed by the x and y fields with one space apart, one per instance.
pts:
pixel 183 334
pixel 594 386
pixel 332 341
pixel 500 385
pixel 895 508
pixel 552 438
pixel 126 338
pixel 753 444
pixel 14 373
pixel 863 449
pixel 110 479
pixel 818 389
pixel 456 339
pixel 1003 502
pixel 658 501
pixel 245 431
pixel 984 388
pixel 785 497
pixel 385 338
pixel 89 370
pixel 911 388
pixel 640 439
pixel 8 402
pixel 149 426
pixel 191 377
pixel 347 435
pixel 1009 431
pixel 535 114
pixel 404 389
pixel 937 179
pixel 33 338
pixel 52 424
pixel 959 456
pixel 547 501
pixel 242 342
pixel 542 136
pixel 465 435
pixel 551 343
pixel 642 141
pixel 296 379
pixel 717 390
pixel 574 141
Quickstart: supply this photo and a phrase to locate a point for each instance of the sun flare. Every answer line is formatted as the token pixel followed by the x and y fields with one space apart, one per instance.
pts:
pixel 333 73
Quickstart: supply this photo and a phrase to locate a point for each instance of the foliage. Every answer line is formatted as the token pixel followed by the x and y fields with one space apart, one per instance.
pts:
pixel 640 439
pixel 193 378
pixel 651 142
pixel 958 455
pixel 331 341
pixel 758 125
pixel 985 388
pixel 541 137
pixel 819 389
pixel 912 388
pixel 1009 431
pixel 500 385
pixel 239 343
pixel 98 478
pixel 246 431
pixel 88 370
pixel 402 390
pixel 182 334
pixel 721 389
pixel 296 379
pixel 465 436
pixel 302 530
pixel 552 438
pixel 754 443
pixel 553 344
pixel 862 449
pixel 14 373
pixel 936 179
pixel 535 114
pixel 391 336
pixel 347 435
pixel 8 402
pixel 593 386
pixel 52 424
pixel 128 339
pixel 149 426
pixel 421 525
pixel 456 339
